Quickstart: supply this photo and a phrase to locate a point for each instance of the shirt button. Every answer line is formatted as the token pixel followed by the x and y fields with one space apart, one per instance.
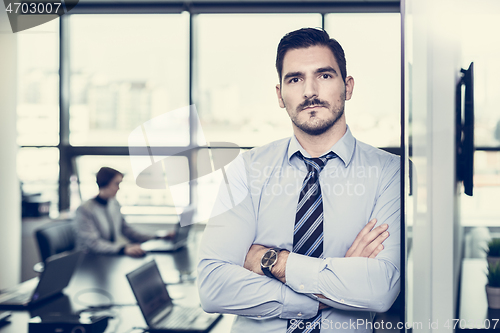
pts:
pixel 299 314
pixel 301 287
pixel 342 301
pixel 259 316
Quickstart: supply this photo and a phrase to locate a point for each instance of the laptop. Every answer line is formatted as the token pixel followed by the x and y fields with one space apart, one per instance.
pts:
pixel 54 278
pixel 159 312
pixel 180 239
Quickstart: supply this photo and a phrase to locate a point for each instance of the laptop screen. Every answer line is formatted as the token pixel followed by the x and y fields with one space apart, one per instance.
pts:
pixel 57 274
pixel 182 229
pixel 186 218
pixel 181 233
pixel 149 290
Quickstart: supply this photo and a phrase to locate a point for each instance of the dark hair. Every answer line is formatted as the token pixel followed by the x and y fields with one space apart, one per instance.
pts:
pixel 105 175
pixel 306 37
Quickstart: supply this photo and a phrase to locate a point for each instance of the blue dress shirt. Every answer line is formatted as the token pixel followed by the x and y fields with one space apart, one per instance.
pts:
pixel 258 206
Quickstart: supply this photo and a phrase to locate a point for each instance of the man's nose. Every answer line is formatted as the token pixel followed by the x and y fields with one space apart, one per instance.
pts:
pixel 310 89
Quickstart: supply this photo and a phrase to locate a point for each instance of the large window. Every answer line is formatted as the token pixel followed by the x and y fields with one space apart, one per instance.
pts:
pixel 38 112
pixel 38 86
pixel 121 73
pixel 125 70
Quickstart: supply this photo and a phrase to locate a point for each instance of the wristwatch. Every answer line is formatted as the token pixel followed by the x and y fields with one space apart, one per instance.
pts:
pixel 269 259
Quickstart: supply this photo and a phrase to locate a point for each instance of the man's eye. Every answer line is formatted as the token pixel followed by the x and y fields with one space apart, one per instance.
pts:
pixel 326 76
pixel 294 80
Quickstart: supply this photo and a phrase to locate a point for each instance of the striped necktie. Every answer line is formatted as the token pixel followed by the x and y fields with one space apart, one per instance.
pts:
pixel 308 231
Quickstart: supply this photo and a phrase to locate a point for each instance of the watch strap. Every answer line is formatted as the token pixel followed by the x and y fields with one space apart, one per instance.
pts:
pixel 267 270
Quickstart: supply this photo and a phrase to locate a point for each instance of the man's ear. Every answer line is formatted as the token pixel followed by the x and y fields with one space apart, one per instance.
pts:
pixel 349 87
pixel 280 98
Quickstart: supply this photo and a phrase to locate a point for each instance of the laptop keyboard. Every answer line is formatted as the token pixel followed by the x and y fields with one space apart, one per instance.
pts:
pixel 180 318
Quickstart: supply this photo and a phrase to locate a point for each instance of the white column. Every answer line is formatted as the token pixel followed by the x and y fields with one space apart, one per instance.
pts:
pixel 435 68
pixel 446 236
pixel 10 200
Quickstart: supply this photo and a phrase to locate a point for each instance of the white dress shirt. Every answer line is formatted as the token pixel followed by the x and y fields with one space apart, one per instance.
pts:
pixel 259 206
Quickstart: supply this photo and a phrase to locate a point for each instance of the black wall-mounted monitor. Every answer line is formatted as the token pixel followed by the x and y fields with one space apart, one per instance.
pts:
pixel 465 129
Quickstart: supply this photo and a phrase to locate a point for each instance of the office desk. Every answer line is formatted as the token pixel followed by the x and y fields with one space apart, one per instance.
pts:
pixel 108 274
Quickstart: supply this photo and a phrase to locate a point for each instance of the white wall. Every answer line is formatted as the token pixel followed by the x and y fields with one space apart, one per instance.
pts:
pixel 10 201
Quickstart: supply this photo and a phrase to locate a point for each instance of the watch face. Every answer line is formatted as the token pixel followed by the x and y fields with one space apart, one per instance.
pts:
pixel 269 258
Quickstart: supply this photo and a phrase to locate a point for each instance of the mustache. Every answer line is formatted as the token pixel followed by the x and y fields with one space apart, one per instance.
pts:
pixel 311 102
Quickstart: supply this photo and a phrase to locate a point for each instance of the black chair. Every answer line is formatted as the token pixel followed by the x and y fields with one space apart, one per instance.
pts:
pixel 54 238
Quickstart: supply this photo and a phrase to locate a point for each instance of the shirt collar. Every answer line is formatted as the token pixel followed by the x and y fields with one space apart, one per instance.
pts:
pixel 344 148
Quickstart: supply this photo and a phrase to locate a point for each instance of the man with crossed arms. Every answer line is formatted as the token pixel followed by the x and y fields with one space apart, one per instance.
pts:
pixel 298 247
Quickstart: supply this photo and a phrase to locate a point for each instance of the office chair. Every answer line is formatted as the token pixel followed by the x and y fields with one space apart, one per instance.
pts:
pixel 54 238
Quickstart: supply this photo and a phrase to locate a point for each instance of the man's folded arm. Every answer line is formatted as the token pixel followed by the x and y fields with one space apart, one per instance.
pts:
pixel 346 283
pixel 225 286
pixel 230 288
pixel 357 283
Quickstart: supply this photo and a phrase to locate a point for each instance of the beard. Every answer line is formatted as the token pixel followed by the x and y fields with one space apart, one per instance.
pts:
pixel 317 126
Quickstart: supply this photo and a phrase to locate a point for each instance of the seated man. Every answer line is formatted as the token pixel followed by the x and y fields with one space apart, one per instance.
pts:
pixel 101 227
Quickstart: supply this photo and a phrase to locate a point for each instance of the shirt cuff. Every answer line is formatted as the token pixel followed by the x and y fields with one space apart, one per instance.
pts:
pixel 302 273
pixel 298 306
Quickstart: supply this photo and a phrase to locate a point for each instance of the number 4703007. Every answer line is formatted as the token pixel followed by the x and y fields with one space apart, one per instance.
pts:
pixel 33 8
pixel 463 324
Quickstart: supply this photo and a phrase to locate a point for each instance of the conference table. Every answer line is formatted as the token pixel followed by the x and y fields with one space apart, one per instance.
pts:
pixel 101 277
